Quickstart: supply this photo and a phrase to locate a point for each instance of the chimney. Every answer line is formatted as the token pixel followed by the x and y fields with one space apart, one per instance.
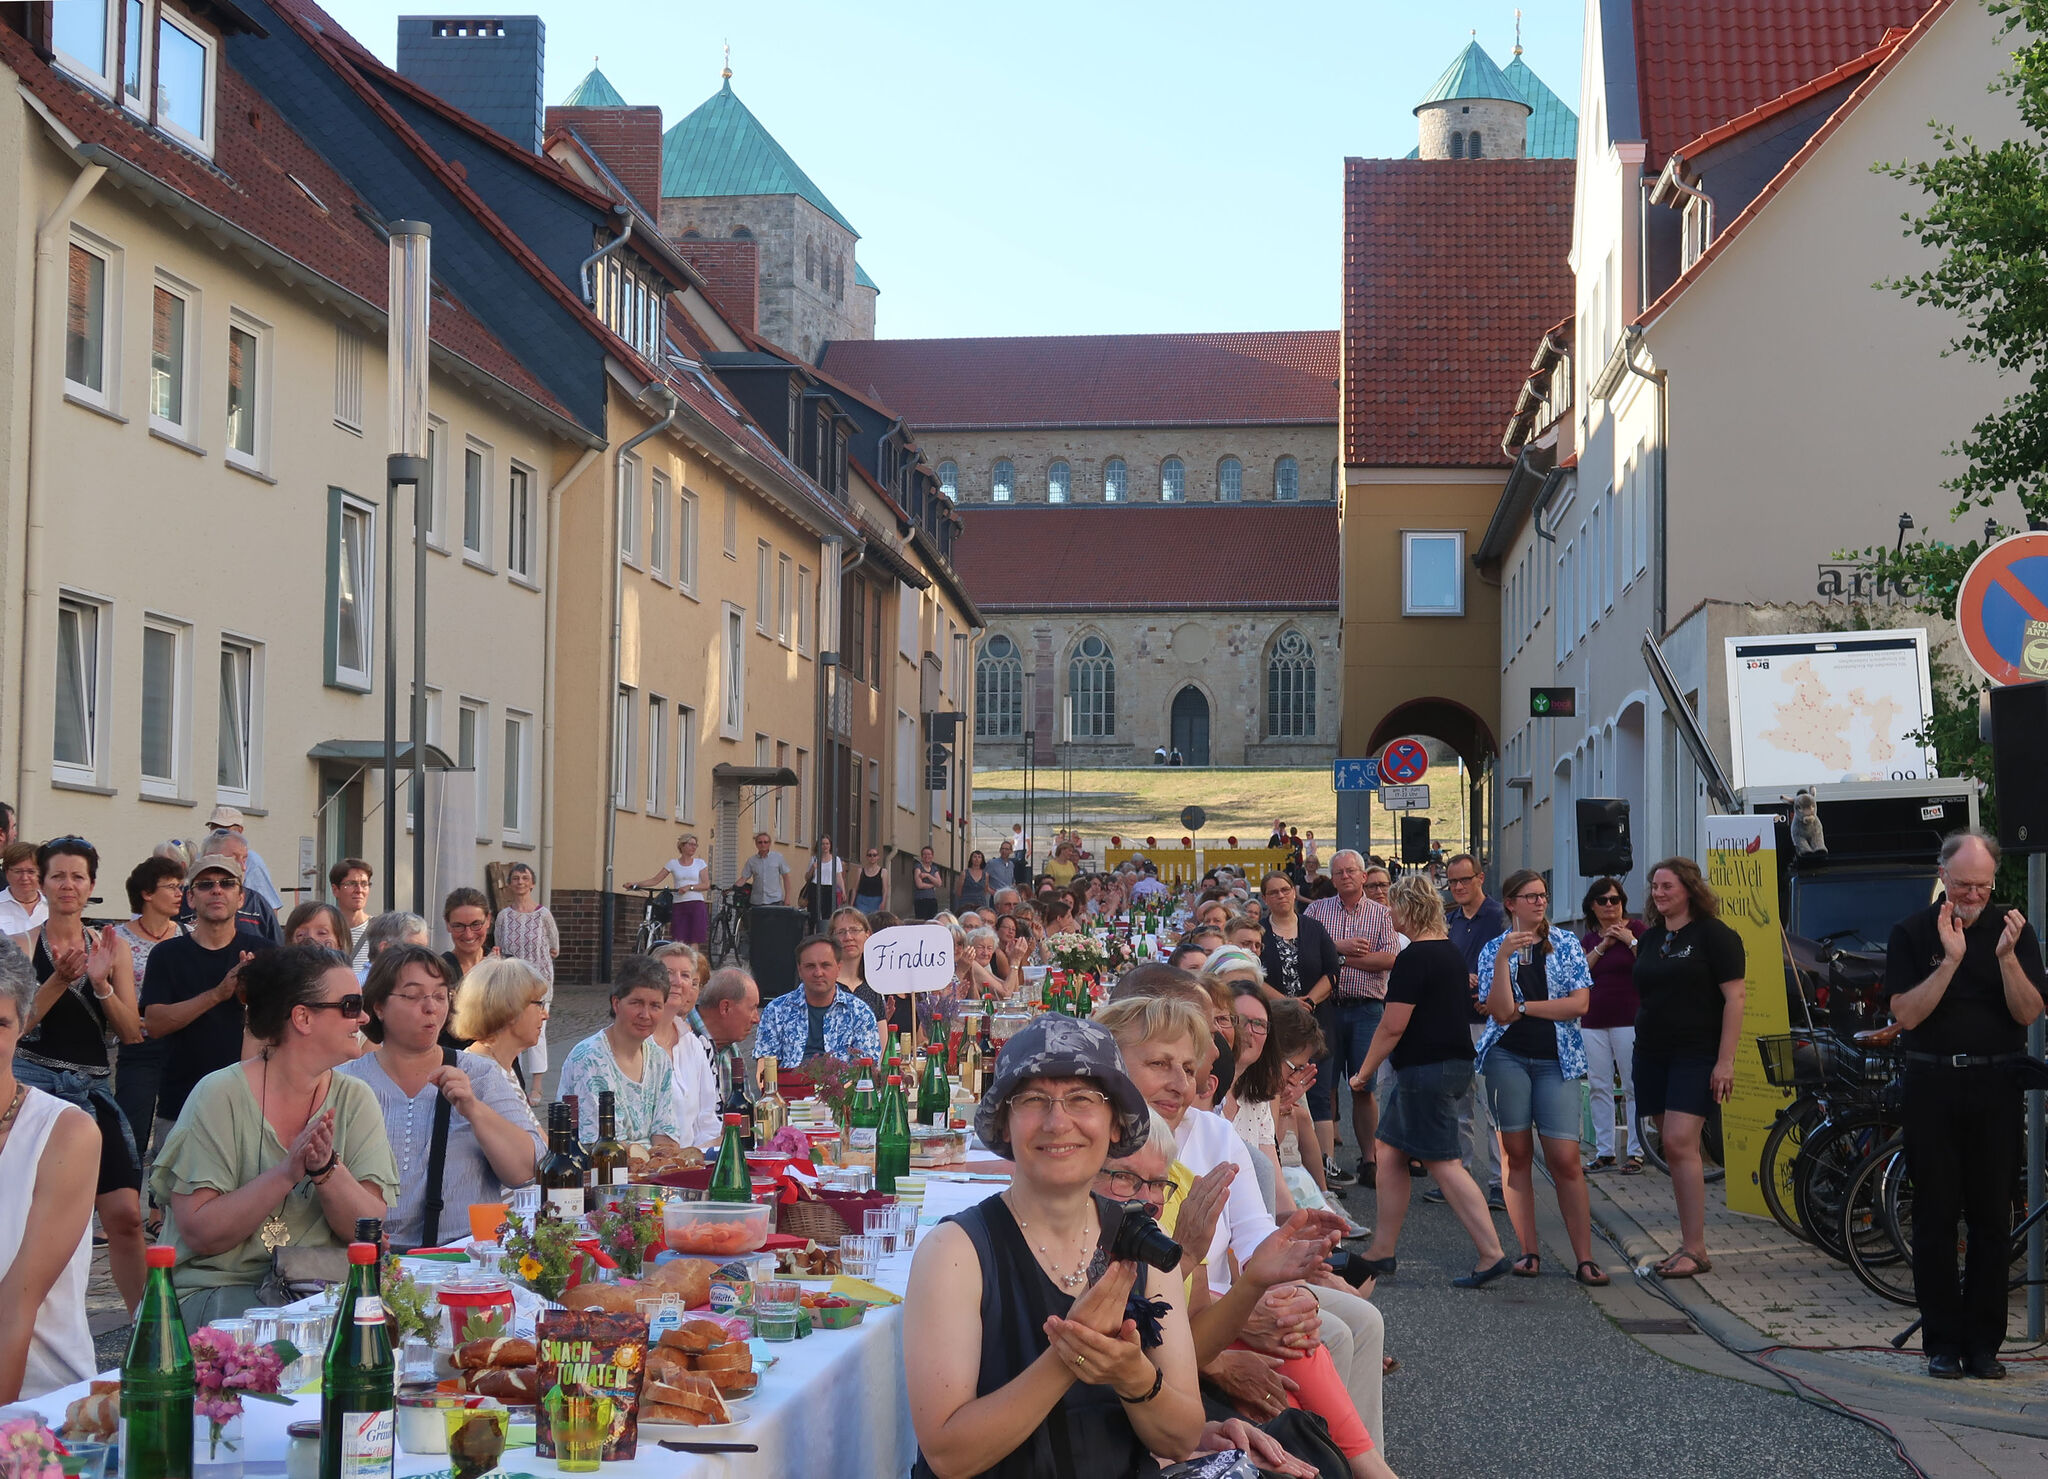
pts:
pixel 627 140
pixel 488 66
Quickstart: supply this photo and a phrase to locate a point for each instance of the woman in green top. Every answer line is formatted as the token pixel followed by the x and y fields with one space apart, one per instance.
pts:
pixel 276 1150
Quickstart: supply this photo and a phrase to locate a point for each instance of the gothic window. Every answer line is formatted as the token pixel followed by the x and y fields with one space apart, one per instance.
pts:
pixel 810 261
pixel 692 234
pixel 1457 146
pixel 1004 482
pixel 1229 480
pixel 1091 689
pixel 741 233
pixel 1114 478
pixel 1472 149
pixel 1286 480
pixel 999 690
pixel 949 479
pixel 1291 688
pixel 1056 479
pixel 1173 478
pixel 839 278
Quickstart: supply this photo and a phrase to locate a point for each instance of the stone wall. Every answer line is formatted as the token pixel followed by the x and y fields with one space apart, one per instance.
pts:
pixel 1221 654
pixel 1085 450
pixel 806 297
pixel 1502 124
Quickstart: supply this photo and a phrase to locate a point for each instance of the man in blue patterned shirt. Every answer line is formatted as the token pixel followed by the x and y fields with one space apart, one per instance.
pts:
pixel 820 1018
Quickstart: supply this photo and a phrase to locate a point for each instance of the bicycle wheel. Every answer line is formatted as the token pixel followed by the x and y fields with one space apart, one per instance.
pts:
pixel 1877 1218
pixel 1780 1154
pixel 1827 1162
pixel 1651 1142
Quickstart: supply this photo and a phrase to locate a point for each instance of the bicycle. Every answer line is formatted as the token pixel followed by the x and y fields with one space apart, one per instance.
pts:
pixel 1647 1138
pixel 1835 1082
pixel 654 921
pixel 729 937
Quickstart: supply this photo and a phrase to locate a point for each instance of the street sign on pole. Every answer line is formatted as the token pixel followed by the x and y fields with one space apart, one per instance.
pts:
pixel 1404 798
pixel 1403 762
pixel 2002 610
pixel 1355 775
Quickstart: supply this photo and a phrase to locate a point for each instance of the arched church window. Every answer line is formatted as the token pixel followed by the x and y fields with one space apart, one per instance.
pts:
pixel 1291 688
pixel 1091 688
pixel 999 690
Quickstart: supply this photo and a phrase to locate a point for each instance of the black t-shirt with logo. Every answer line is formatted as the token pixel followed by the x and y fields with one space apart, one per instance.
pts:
pixel 1678 979
pixel 1972 1016
pixel 1430 976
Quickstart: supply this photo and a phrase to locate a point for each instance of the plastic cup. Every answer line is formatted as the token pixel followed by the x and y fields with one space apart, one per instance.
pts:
pixel 476 1438
pixel 85 1460
pixel 485 1218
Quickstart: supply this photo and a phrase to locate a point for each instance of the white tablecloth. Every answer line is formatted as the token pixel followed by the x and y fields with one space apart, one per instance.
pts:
pixel 834 1404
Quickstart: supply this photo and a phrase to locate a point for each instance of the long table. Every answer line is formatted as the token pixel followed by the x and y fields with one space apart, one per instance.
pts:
pixel 834 1404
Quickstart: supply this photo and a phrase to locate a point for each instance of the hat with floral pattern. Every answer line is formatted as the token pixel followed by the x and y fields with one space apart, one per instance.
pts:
pixel 1057 1046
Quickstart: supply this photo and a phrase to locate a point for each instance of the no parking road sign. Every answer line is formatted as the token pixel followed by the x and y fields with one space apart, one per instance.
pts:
pixel 1403 762
pixel 2002 610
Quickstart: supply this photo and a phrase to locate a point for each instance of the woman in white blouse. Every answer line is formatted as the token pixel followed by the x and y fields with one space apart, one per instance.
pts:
pixel 696 1087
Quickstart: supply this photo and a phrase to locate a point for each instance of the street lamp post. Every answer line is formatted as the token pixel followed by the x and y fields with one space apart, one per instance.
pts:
pixel 406 463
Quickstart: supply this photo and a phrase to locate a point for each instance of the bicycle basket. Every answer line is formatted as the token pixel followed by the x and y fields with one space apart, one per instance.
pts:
pixel 1794 1060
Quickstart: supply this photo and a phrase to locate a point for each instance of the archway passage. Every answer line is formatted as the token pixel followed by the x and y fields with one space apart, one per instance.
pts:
pixel 1191 725
pixel 1439 718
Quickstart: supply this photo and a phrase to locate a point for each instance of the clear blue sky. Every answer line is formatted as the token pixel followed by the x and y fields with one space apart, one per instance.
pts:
pixel 1059 167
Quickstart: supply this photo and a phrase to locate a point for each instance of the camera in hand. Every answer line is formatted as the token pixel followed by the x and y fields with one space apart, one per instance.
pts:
pixel 1138 1238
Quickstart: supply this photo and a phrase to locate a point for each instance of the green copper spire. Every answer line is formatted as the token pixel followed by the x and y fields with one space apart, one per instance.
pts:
pixel 1472 75
pixel 722 149
pixel 594 91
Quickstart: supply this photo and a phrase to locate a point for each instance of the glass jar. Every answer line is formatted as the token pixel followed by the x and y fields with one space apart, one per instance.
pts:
pixel 471 1301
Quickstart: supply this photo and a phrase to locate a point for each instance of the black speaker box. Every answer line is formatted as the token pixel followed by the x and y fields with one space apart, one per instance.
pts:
pixel 2019 765
pixel 1414 838
pixel 774 931
pixel 1603 837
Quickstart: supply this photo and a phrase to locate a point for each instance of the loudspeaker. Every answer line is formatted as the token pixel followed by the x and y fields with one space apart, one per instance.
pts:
pixel 774 930
pixel 1414 838
pixel 1603 837
pixel 2019 741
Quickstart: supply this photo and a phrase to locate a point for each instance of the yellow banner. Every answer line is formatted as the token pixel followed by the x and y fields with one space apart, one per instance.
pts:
pixel 1742 868
pixel 1181 865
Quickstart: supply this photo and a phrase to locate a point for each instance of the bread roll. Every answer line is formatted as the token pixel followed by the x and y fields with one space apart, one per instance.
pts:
pixel 503 1350
pixel 511 1384
pixel 689 1279
pixel 613 1299
pixel 695 1335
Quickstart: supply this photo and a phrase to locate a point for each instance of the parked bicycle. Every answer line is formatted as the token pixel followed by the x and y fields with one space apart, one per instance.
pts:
pixel 729 939
pixel 654 921
pixel 1846 1107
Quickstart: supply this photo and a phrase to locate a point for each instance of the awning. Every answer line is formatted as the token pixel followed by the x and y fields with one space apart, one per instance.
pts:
pixel 751 775
pixel 371 753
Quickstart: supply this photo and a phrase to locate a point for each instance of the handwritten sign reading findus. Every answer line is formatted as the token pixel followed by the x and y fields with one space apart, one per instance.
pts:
pixel 905 958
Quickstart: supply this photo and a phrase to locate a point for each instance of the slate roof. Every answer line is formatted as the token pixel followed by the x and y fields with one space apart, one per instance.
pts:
pixel 722 149
pixel 268 181
pixel 1452 269
pixel 1700 63
pixel 1150 557
pixel 594 91
pixel 1257 379
pixel 1471 74
pixel 1553 130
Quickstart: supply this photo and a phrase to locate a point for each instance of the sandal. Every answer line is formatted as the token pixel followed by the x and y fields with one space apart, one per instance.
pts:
pixel 1698 1263
pixel 1528 1266
pixel 1600 1163
pixel 1599 1275
pixel 1479 1278
pixel 1389 1365
pixel 1633 1166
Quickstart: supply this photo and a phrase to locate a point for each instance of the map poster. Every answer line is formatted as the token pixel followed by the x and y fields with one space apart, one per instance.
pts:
pixel 1808 708
pixel 1742 869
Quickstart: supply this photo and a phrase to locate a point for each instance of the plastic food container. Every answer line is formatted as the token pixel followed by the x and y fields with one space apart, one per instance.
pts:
pixel 716 1229
pixel 422 1429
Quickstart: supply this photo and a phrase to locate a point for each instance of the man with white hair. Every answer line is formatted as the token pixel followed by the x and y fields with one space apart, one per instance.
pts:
pixel 1363 930
pixel 1966 981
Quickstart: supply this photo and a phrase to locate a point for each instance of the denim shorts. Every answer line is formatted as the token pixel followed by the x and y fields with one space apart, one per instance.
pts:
pixel 1357 1019
pixel 1683 1083
pixel 1523 1091
pixel 1419 1113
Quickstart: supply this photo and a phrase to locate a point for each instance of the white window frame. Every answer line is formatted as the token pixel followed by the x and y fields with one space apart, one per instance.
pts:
pixel 209 129
pixel 171 786
pixel 1116 488
pixel 906 762
pixel 801 829
pixel 1230 480
pixel 764 590
pixel 103 77
pixel 909 620
pixel 1410 538
pixel 806 609
pixel 479 553
pixel 251 789
pixel 437 485
pixel 625 730
pixel 781 827
pixel 516 794
pixel 657 752
pixel 785 600
pixel 480 757
pixel 1002 487
pixel 686 763
pixel 1281 467
pixel 949 478
pixel 688 534
pixel 1059 481
pixel 732 659
pixel 731 535
pixel 1173 489
pixel 629 511
pixel 257 459
pixel 179 429
pixel 658 531
pixel 519 549
pixel 358 679
pixel 95 675
pixel 105 396
pixel 136 102
pixel 350 349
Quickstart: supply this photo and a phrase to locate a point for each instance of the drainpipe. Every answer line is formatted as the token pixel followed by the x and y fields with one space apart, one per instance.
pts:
pixel 584 273
pixel 1632 338
pixel 45 372
pixel 545 759
pixel 607 904
pixel 1705 200
pixel 829 772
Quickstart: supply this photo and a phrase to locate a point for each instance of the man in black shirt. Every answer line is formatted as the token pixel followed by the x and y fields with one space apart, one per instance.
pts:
pixel 189 998
pixel 1965 980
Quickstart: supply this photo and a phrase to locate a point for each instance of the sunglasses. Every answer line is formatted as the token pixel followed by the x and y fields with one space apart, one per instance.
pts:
pixel 1610 899
pixel 214 886
pixel 350 1006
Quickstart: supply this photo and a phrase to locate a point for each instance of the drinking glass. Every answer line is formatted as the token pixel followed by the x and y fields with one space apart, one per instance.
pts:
pixel 775 1308
pixel 903 1227
pixel 485 1218
pixel 859 1256
pixel 879 1222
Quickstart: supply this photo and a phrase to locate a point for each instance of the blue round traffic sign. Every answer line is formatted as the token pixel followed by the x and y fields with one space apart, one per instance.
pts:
pixel 2002 610
pixel 1404 762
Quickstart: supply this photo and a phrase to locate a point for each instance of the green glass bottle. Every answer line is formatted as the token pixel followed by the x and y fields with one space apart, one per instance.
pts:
pixel 729 1179
pixel 892 1138
pixel 157 1381
pixel 863 1119
pixel 932 1094
pixel 358 1379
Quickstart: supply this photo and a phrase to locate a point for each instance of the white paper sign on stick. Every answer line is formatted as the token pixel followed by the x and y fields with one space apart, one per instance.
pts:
pixel 905 958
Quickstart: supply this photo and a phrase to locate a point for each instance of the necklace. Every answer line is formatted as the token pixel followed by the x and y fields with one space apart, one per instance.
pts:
pixel 14 1108
pixel 170 928
pixel 276 1232
pixel 1069 1281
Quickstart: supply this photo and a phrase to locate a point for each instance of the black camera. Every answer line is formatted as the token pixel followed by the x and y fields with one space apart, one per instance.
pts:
pixel 1139 1239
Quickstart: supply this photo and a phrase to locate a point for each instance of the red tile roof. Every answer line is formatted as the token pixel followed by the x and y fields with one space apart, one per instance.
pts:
pixel 250 185
pixel 732 275
pixel 1700 63
pixel 1150 557
pixel 1452 269
pixel 1263 379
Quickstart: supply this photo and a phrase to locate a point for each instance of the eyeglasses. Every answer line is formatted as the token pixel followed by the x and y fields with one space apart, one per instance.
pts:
pixel 1075 1103
pixel 1301 1070
pixel 1463 877
pixel 1256 1026
pixel 469 928
pixel 1127 1184
pixel 350 1006
pixel 214 885
pixel 422 998
pixel 1533 896
pixel 1378 888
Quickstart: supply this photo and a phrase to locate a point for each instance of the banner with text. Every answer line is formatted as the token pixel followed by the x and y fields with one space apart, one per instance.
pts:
pixel 1742 869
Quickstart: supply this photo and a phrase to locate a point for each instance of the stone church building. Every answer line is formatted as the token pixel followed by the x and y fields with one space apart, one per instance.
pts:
pixel 1149 528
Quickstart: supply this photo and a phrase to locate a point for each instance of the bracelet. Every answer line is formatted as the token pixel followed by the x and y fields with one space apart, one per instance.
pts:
pixel 317 1176
pixel 107 995
pixel 1158 1381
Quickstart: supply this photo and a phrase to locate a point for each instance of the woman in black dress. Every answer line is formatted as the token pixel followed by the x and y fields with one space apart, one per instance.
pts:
pixel 1029 1353
pixel 1301 961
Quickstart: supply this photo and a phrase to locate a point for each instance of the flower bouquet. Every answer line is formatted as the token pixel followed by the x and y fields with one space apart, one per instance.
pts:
pixel 626 1228
pixel 833 1081
pixel 542 1257
pixel 1077 954
pixel 28 1450
pixel 224 1370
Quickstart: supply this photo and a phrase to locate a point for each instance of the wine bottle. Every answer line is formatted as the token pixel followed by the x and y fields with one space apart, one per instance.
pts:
pixel 892 1139
pixel 358 1380
pixel 730 1181
pixel 609 1163
pixel 771 1110
pixel 585 1170
pixel 157 1380
pixel 561 1179
pixel 738 1100
pixel 863 1119
pixel 970 1067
